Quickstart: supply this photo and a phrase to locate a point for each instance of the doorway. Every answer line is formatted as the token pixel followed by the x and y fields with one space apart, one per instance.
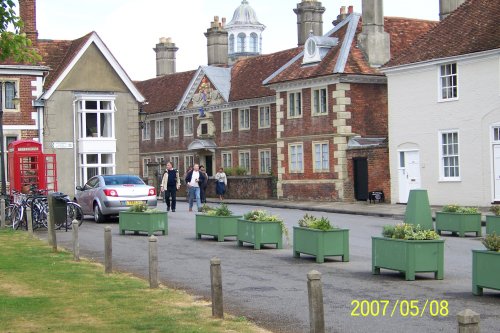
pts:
pixel 409 173
pixel 209 165
pixel 360 178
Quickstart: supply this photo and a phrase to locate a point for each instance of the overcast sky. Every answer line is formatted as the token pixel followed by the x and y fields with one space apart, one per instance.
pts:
pixel 131 28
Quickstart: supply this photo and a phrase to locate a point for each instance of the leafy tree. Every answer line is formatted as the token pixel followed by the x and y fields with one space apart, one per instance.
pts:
pixel 14 44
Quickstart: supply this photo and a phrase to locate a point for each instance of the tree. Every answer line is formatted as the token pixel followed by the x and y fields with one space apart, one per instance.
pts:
pixel 14 45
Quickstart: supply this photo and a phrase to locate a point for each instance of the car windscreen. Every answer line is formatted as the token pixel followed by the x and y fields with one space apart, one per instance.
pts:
pixel 122 180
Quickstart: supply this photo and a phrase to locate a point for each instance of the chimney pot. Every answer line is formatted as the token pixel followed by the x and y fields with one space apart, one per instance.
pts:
pixel 350 9
pixel 342 10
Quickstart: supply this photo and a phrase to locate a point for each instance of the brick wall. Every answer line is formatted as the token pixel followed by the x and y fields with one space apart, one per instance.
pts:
pixel 368 109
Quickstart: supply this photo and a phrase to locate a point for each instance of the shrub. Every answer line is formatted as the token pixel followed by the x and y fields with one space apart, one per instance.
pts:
pixel 312 222
pixel 206 208
pixel 236 171
pixel 492 242
pixel 263 216
pixel 495 209
pixel 221 210
pixel 141 208
pixel 408 232
pixel 460 210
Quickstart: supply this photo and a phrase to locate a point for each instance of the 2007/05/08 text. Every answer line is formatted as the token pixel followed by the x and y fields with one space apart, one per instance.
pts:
pixel 403 308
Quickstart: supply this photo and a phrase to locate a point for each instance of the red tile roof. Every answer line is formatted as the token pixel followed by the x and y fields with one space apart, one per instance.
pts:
pixel 165 92
pixel 473 27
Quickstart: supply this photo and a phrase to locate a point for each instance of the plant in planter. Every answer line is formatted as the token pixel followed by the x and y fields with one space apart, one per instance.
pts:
pixel 493 221
pixel 410 249
pixel 317 237
pixel 218 222
pixel 459 220
pixel 486 265
pixel 259 227
pixel 140 218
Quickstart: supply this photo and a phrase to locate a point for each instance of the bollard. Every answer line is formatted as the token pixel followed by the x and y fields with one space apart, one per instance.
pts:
pixel 51 230
pixel 2 213
pixel 315 293
pixel 153 262
pixel 29 220
pixel 468 321
pixel 76 244
pixel 108 265
pixel 216 283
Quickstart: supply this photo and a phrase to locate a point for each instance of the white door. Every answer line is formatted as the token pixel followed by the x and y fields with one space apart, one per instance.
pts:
pixel 496 171
pixel 409 173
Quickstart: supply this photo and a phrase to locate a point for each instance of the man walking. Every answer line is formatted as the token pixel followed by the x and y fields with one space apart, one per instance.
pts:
pixel 170 183
pixel 195 179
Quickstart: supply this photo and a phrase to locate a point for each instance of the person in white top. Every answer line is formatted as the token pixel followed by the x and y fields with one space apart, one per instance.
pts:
pixel 195 179
pixel 221 183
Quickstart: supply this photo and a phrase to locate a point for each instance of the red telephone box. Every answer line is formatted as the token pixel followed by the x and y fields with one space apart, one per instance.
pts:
pixel 28 165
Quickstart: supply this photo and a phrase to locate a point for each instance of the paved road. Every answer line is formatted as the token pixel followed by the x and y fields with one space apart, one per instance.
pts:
pixel 269 287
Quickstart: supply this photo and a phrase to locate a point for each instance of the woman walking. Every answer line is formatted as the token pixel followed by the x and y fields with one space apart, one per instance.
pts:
pixel 221 183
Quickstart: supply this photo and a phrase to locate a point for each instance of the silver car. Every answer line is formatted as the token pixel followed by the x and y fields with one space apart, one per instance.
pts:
pixel 107 195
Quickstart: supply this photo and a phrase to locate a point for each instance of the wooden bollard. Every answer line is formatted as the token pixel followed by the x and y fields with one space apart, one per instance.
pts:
pixel 216 283
pixel 315 293
pixel 51 230
pixel 2 213
pixel 76 242
pixel 468 321
pixel 153 262
pixel 108 251
pixel 29 220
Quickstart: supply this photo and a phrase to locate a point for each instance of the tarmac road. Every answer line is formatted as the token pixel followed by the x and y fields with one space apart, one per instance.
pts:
pixel 269 286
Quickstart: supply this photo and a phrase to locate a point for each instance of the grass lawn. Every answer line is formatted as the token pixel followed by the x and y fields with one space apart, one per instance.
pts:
pixel 43 291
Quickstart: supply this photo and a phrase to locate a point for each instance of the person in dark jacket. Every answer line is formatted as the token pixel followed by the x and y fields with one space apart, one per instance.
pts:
pixel 170 183
pixel 195 179
pixel 203 187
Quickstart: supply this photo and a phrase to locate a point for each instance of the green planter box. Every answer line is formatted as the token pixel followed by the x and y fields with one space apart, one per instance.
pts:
pixel 321 243
pixel 485 271
pixel 408 256
pixel 217 226
pixel 259 233
pixel 492 224
pixel 147 222
pixel 458 223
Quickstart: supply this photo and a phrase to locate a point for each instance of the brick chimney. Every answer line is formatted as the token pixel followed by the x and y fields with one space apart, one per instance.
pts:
pixel 309 18
pixel 217 43
pixel 447 6
pixel 165 56
pixel 27 12
pixel 373 40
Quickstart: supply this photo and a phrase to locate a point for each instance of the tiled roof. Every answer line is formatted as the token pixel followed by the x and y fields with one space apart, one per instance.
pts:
pixel 163 93
pixel 473 27
pixel 402 32
pixel 57 55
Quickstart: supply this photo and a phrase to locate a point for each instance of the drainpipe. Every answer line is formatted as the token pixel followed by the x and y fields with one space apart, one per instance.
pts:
pixel 74 148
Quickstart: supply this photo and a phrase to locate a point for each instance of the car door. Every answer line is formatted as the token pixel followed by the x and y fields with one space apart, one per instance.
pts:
pixel 87 195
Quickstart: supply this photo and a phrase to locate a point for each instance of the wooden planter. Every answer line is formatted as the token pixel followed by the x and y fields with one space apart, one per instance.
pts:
pixel 217 226
pixel 408 256
pixel 492 224
pixel 321 243
pixel 146 222
pixel 458 223
pixel 259 233
pixel 485 271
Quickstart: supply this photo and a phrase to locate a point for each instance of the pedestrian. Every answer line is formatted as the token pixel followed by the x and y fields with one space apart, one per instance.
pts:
pixel 220 183
pixel 170 183
pixel 194 179
pixel 189 169
pixel 203 187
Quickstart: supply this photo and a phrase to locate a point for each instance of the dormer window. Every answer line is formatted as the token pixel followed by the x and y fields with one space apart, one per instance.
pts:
pixel 316 48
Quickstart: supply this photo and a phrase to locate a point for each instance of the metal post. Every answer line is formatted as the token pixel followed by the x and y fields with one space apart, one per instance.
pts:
pixel 468 321
pixel 2 213
pixel 153 262
pixel 29 220
pixel 108 266
pixel 315 293
pixel 76 243
pixel 216 283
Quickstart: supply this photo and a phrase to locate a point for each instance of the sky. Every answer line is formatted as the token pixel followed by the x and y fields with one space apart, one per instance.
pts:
pixel 132 28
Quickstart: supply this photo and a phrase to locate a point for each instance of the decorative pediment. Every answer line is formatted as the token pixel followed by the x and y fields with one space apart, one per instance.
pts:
pixel 206 94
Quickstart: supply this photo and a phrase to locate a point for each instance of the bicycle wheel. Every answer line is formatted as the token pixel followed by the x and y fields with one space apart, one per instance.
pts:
pixel 74 212
pixel 19 218
pixel 39 210
pixel 8 214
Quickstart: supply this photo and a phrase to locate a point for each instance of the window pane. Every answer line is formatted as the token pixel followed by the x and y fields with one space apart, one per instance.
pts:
pixel 91 105
pixel 10 93
pixel 105 105
pixel 106 125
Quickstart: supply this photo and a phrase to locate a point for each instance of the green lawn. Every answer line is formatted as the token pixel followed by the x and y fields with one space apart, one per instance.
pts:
pixel 43 291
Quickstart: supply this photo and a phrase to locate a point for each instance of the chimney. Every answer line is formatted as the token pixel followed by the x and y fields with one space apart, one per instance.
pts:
pixel 217 43
pixel 165 56
pixel 343 14
pixel 309 18
pixel 373 40
pixel 27 13
pixel 447 6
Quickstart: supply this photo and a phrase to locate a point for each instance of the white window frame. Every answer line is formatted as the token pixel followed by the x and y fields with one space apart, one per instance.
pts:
pixel 231 43
pixel 227 159
pixel 6 143
pixel 319 110
pixel 188 161
pixel 441 87
pixel 146 131
pixel 159 129
pixel 297 113
pixel 187 131
pixel 291 160
pixel 145 168
pixel 175 161
pixel 84 166
pixel 223 128
pixel 322 167
pixel 265 122
pixel 442 157
pixel 265 167
pixel 4 82
pixel 241 164
pixel 160 159
pixel 174 127
pixel 244 112
pixel 83 111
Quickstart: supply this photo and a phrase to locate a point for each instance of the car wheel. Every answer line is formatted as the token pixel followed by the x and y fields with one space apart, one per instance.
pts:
pixel 98 217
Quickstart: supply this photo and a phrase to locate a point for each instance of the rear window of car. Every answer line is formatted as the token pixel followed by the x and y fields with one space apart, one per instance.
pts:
pixel 122 180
